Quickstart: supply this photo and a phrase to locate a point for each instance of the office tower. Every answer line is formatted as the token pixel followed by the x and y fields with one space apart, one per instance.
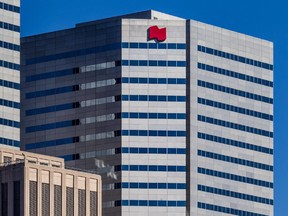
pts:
pixel 33 184
pixel 10 72
pixel 181 111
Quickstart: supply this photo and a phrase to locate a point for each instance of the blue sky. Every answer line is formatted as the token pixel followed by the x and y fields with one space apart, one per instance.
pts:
pixel 266 19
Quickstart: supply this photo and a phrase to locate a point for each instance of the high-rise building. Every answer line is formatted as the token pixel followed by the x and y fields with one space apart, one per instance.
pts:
pixel 176 114
pixel 10 72
pixel 33 184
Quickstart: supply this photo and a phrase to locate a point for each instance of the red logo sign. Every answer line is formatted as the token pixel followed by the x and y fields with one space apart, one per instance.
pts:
pixel 156 33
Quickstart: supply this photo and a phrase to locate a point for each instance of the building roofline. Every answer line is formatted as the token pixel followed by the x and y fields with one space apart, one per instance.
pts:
pixel 146 14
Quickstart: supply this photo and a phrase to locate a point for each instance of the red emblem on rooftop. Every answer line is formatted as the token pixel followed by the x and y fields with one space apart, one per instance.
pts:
pixel 157 33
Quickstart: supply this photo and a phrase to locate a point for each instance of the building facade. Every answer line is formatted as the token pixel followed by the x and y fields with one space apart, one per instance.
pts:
pixel 33 184
pixel 176 114
pixel 10 72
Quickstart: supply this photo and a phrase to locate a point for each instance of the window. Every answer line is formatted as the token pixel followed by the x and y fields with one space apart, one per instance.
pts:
pixel 81 202
pixel 57 200
pixel 69 201
pixel 235 57
pixel 226 210
pixel 235 126
pixel 235 177
pixel 33 193
pixel 235 74
pixel 234 143
pixel 45 199
pixel 93 203
pixel 7 160
pixel 4 199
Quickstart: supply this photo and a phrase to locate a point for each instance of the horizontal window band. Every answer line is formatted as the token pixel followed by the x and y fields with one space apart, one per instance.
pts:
pixel 235 126
pixel 235 74
pixel 74 88
pixel 10 65
pixel 150 185
pixel 134 150
pixel 150 168
pixel 49 109
pixel 179 46
pixel 145 80
pixel 96 84
pixel 160 133
pixel 139 80
pixel 69 123
pixel 234 194
pixel 235 143
pixel 156 98
pixel 235 109
pixel 235 92
pixel 99 101
pixel 234 177
pixel 98 49
pixel 84 86
pixel 101 118
pixel 74 53
pixel 234 160
pixel 9 84
pixel 105 135
pixel 154 63
pixel 70 140
pixel 9 7
pixel 235 57
pixel 49 143
pixel 8 103
pixel 76 70
pixel 51 126
pixel 123 150
pixel 151 203
pixel 9 26
pixel 226 210
pixel 9 142
pixel 53 74
pixel 106 100
pixel 54 91
pixel 61 107
pixel 134 115
pixel 9 46
pixel 9 123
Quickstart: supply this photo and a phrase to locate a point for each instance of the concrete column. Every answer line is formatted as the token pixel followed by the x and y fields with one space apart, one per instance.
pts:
pixel 87 190
pixel 64 194
pixel 39 192
pixel 51 176
pixel 26 191
pixel 75 195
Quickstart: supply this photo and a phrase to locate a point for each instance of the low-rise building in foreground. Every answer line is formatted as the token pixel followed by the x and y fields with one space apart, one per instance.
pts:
pixel 33 184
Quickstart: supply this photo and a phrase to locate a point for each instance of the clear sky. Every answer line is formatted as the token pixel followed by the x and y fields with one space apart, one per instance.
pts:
pixel 267 19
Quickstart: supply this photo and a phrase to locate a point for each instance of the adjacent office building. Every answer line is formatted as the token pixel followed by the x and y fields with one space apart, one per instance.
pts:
pixel 176 114
pixel 10 72
pixel 33 184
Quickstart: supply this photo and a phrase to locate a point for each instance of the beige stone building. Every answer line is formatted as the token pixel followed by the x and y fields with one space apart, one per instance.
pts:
pixel 34 184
